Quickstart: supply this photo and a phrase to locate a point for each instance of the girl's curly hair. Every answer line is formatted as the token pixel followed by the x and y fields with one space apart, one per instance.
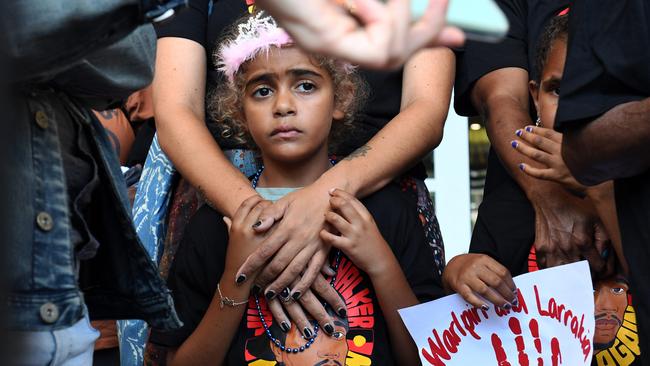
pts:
pixel 225 104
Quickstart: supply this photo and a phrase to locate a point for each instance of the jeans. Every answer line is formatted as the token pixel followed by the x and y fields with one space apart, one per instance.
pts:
pixel 69 346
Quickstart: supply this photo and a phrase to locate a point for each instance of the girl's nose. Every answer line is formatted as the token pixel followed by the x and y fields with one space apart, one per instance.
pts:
pixel 284 104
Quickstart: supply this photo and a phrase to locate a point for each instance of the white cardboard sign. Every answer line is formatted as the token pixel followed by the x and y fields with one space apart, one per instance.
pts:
pixel 553 324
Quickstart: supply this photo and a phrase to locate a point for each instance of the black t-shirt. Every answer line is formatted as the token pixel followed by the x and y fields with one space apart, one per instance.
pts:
pixel 203 26
pixel 608 63
pixel 505 227
pixel 608 59
pixel 198 267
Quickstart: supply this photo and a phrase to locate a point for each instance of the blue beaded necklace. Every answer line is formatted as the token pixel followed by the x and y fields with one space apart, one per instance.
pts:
pixel 270 336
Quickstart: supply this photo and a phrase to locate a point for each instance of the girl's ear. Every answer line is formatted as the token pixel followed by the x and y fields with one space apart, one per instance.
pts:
pixel 344 99
pixel 533 88
pixel 338 114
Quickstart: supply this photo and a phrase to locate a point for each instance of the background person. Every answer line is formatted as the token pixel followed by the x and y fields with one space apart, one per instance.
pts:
pixel 603 113
pixel 517 210
pixel 67 265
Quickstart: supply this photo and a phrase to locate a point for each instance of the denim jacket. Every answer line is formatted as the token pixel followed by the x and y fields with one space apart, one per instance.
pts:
pixel 120 282
pixel 48 287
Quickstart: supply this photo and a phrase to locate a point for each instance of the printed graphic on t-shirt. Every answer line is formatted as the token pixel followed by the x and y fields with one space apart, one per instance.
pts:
pixel 250 5
pixel 351 344
pixel 616 341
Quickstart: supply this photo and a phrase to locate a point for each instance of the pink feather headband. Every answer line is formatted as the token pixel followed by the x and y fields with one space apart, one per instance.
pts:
pixel 258 34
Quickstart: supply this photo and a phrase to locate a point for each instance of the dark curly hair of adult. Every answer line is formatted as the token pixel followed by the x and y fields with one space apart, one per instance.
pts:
pixel 557 28
pixel 225 104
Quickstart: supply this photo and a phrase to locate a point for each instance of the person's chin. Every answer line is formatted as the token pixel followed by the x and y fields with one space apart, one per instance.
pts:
pixel 603 346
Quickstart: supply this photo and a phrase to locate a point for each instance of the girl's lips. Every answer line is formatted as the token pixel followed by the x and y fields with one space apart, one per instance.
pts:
pixel 285 132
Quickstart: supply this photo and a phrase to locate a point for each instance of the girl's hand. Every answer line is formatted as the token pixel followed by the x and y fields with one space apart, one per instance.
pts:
pixel 358 236
pixel 243 240
pixel 544 146
pixel 476 277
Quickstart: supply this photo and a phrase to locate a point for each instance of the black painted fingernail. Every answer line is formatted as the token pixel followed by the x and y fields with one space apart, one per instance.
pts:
pixel 529 129
pixel 515 302
pixel 518 133
pixel 328 328
pixel 270 294
pixel 241 278
pixel 285 293
pixel 256 289
pixel 296 295
pixel 307 332
pixel 485 307
pixel 521 167
pixel 342 312
pixel 507 306
pixel 285 326
pixel 514 144
pixel 257 224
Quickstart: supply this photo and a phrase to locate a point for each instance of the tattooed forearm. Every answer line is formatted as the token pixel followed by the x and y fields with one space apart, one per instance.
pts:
pixel 362 151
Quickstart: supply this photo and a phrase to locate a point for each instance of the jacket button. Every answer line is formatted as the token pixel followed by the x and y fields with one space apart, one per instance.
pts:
pixel 41 119
pixel 49 313
pixel 44 221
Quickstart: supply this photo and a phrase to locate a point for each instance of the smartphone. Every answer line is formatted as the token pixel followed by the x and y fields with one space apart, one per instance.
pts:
pixel 481 20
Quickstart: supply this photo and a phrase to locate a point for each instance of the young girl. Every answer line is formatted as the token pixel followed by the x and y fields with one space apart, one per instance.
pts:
pixel 289 103
pixel 474 275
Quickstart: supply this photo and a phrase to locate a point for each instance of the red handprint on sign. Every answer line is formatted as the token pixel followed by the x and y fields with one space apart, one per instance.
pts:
pixel 522 356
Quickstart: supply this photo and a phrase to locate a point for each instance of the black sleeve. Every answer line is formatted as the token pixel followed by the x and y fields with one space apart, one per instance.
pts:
pixel 478 59
pixel 193 277
pixel 507 241
pixel 608 59
pixel 397 219
pixel 190 23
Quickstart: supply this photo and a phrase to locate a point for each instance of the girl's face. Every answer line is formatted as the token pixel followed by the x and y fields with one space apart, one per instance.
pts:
pixel 546 94
pixel 288 105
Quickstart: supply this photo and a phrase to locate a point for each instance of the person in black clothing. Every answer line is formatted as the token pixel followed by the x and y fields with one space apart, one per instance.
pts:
pixel 289 103
pixel 518 211
pixel 603 112
pixel 543 145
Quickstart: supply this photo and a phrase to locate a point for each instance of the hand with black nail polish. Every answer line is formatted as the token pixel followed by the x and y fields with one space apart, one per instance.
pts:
pixel 242 240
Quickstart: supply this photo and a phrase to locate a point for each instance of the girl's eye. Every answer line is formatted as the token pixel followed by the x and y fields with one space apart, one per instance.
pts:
pixel 556 92
pixel 306 86
pixel 618 290
pixel 262 92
